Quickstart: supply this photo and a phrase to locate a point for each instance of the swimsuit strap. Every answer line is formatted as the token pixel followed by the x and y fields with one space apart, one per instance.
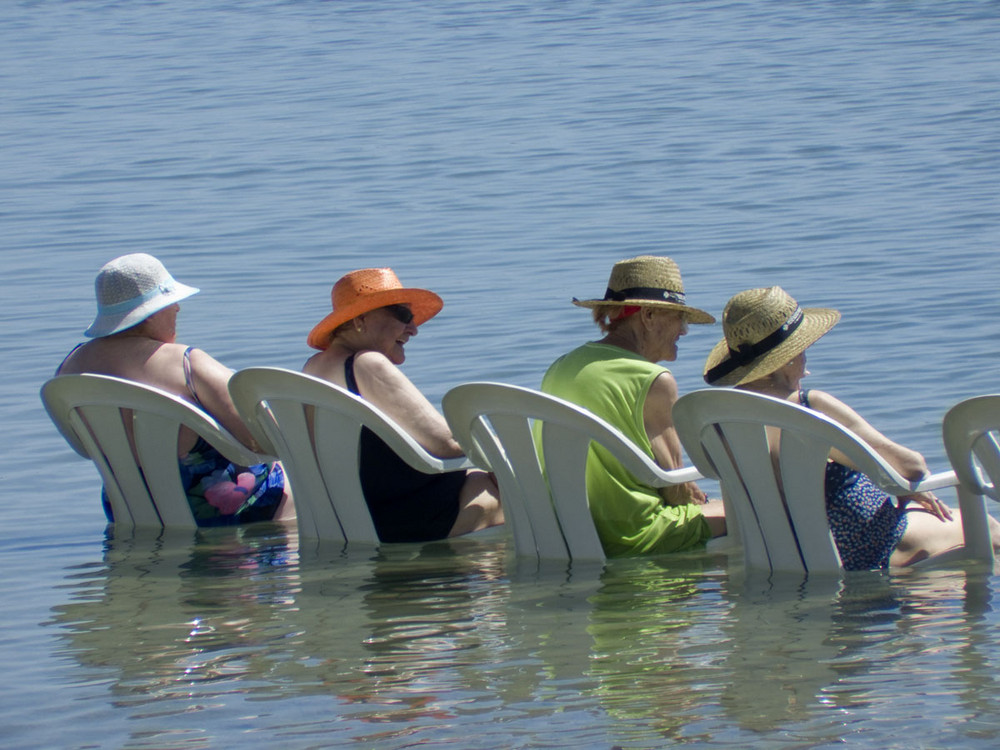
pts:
pixel 352 382
pixel 68 356
pixel 188 377
pixel 804 398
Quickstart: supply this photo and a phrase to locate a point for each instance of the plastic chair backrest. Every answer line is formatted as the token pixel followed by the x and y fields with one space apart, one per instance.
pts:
pixel 314 427
pixel 130 431
pixel 547 511
pixel 774 500
pixel 970 431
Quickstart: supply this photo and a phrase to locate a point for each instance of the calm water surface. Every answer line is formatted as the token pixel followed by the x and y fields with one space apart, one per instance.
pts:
pixel 504 154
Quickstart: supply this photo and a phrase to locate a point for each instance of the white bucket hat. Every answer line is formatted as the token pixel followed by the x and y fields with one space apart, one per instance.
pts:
pixel 131 288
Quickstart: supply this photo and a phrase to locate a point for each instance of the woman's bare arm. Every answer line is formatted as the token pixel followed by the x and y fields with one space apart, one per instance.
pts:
pixel 907 462
pixel 211 385
pixel 385 385
pixel 657 418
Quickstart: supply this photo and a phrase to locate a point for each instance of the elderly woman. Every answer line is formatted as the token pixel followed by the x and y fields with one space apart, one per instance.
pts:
pixel 766 335
pixel 643 314
pixel 134 337
pixel 361 346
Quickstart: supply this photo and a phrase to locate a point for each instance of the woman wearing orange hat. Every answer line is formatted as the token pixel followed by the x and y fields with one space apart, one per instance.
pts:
pixel 361 346
pixel 766 335
pixel 134 337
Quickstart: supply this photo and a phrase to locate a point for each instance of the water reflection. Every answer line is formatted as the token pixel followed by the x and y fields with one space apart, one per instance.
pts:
pixel 242 614
pixel 655 628
pixel 415 643
pixel 825 652
pixel 163 613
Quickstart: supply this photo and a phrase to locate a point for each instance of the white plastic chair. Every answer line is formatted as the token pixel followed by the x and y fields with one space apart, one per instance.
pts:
pixel 314 427
pixel 970 431
pixel 103 417
pixel 548 513
pixel 776 505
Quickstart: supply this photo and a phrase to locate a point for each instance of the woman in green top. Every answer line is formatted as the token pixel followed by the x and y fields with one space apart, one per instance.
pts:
pixel 643 314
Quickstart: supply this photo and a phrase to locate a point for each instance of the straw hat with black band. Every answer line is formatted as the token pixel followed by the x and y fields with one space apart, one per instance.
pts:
pixel 647 281
pixel 365 290
pixel 764 329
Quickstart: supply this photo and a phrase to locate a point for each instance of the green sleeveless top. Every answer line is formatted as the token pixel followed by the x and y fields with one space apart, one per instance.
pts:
pixel 630 517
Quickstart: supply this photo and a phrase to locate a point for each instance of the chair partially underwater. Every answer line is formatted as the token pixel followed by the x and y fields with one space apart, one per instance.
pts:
pixel 130 431
pixel 314 427
pixel 970 431
pixel 547 511
pixel 776 504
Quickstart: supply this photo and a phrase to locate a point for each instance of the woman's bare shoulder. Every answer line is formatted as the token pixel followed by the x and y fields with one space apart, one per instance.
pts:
pixel 375 363
pixel 326 365
pixel 833 407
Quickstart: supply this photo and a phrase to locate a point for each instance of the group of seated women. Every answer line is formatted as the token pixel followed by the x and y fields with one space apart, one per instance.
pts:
pixel 642 315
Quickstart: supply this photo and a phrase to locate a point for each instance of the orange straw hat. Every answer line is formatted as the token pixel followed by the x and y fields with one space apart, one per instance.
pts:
pixel 362 291
pixel 764 330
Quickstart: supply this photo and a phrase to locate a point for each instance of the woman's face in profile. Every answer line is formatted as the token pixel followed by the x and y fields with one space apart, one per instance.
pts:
pixel 671 325
pixel 793 371
pixel 389 329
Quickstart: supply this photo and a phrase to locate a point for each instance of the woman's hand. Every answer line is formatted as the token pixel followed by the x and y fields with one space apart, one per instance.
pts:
pixel 929 502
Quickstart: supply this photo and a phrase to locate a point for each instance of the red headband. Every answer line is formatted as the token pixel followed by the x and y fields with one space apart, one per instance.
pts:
pixel 626 311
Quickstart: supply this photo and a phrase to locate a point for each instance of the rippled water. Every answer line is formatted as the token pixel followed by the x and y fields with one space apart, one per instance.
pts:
pixel 503 154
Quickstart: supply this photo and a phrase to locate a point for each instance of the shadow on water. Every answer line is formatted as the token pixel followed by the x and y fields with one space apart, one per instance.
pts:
pixel 437 641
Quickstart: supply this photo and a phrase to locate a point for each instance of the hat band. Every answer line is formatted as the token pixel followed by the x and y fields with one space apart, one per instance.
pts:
pixel 744 354
pixel 130 304
pixel 644 292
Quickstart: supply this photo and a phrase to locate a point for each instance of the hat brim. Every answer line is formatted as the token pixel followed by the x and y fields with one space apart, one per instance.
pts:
pixel 107 325
pixel 424 305
pixel 694 315
pixel 816 322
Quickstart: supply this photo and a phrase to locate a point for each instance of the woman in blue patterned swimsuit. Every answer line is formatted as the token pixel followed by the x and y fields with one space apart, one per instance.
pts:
pixel 766 335
pixel 134 337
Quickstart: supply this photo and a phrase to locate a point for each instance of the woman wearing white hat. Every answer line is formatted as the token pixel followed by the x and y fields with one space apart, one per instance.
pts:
pixel 643 314
pixel 766 335
pixel 134 337
pixel 361 345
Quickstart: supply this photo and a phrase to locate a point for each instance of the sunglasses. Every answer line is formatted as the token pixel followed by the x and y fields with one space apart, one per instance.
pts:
pixel 400 312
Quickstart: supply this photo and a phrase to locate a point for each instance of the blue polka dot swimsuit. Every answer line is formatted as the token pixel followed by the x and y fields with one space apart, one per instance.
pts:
pixel 865 521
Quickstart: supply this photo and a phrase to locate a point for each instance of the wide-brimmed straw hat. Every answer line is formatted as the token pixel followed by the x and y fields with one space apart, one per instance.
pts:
pixel 131 288
pixel 365 290
pixel 647 281
pixel 764 329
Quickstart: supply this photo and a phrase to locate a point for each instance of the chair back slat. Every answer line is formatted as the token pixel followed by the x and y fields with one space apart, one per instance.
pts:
pixel 748 445
pixel 987 450
pixel 803 477
pixel 155 437
pixel 101 428
pixel 565 449
pixel 511 450
pixel 287 424
pixel 337 447
pixel 741 514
